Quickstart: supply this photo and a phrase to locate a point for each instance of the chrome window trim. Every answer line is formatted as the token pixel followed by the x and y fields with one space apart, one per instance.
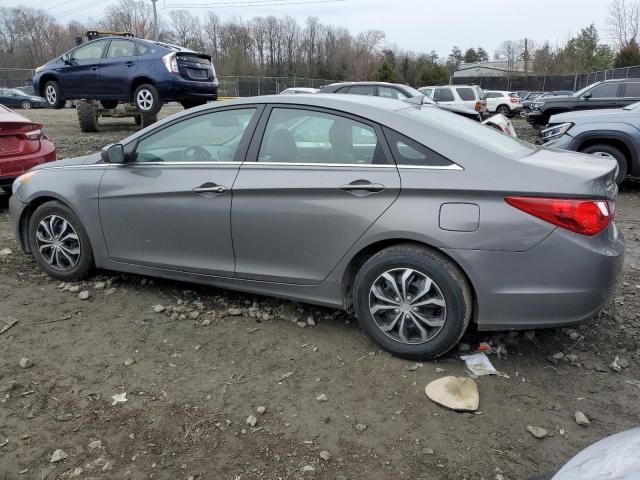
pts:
pixel 319 164
pixel 453 166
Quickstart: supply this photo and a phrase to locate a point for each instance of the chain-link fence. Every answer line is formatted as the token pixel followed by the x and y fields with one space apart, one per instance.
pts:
pixel 252 86
pixel 520 81
pixel 15 77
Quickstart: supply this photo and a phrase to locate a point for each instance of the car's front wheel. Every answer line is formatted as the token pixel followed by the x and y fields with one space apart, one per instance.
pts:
pixel 53 94
pixel 26 104
pixel 412 301
pixel 147 99
pixel 59 242
pixel 609 151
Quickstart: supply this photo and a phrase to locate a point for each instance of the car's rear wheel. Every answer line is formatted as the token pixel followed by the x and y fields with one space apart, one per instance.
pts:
pixel 87 116
pixel 609 151
pixel 53 94
pixel 147 100
pixel 26 104
pixel 59 242
pixel 412 301
pixel 525 112
pixel 504 110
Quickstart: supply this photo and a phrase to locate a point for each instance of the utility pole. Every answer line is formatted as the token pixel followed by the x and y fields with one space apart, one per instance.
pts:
pixel 526 56
pixel 155 20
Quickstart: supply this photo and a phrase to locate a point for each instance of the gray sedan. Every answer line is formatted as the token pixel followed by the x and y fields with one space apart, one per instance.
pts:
pixel 415 219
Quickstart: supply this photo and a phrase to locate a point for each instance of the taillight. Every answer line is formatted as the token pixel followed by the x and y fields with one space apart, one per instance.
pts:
pixel 171 62
pixel 478 106
pixel 586 217
pixel 515 100
pixel 34 135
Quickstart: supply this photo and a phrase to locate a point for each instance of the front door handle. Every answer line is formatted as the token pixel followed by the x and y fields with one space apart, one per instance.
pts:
pixel 94 67
pixel 362 186
pixel 129 64
pixel 209 187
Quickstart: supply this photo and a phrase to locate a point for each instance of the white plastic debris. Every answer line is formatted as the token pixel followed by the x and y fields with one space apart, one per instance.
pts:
pixel 119 398
pixel 480 365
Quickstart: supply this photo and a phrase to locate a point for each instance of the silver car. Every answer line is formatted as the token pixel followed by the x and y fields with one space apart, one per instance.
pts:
pixel 415 219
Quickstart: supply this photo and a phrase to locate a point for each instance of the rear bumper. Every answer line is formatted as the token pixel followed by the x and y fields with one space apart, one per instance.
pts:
pixel 12 167
pixel 178 89
pixel 565 279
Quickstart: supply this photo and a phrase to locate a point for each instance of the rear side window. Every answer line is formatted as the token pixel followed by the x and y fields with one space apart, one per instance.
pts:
pixel 466 93
pixel 362 90
pixel 632 90
pixel 389 92
pixel 608 90
pixel 142 49
pixel 121 48
pixel 443 95
pixel 410 152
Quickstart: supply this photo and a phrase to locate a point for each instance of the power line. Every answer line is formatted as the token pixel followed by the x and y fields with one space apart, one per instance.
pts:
pixel 79 9
pixel 251 3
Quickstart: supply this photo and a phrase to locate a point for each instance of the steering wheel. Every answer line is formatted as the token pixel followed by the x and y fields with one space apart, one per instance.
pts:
pixel 195 153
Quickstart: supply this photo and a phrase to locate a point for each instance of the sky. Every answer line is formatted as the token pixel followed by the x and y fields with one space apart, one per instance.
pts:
pixel 418 25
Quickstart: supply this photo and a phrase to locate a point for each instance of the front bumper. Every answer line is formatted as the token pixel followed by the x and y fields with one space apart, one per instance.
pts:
pixel 16 210
pixel 565 279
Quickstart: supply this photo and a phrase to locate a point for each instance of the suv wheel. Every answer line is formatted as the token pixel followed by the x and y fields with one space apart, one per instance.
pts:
pixel 87 116
pixel 59 242
pixel 147 100
pixel 609 151
pixel 53 94
pixel 413 302
pixel 504 110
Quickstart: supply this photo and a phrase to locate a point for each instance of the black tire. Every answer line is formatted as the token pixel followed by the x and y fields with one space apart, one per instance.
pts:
pixel 87 116
pixel 6 190
pixel 504 110
pixel 186 104
pixel 109 104
pixel 448 278
pixel 146 120
pixel 147 100
pixel 608 150
pixel 53 94
pixel 85 262
pixel 26 104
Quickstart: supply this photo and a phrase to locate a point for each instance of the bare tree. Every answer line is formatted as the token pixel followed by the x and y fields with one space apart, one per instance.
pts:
pixel 135 16
pixel 624 21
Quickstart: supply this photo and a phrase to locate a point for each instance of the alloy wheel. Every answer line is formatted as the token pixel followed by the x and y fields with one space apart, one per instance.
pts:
pixel 58 242
pixel 26 105
pixel 144 99
pixel 407 305
pixel 51 94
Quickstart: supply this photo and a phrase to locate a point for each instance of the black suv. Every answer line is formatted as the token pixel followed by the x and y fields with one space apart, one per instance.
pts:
pixel 123 69
pixel 607 94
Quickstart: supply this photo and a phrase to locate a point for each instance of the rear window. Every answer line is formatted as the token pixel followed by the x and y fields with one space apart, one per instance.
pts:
pixel 362 90
pixel 474 132
pixel 466 93
pixel 514 95
pixel 632 90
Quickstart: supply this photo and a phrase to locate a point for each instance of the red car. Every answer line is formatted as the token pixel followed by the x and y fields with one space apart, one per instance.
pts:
pixel 23 145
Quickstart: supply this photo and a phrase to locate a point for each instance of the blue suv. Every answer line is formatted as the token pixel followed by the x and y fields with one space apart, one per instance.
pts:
pixel 117 69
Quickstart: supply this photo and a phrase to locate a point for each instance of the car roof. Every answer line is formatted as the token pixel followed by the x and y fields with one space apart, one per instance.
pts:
pixel 365 83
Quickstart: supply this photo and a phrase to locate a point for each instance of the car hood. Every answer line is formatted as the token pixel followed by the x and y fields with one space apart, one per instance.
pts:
pixel 72 162
pixel 606 115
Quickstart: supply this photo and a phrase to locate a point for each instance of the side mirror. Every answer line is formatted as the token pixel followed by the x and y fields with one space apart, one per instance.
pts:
pixel 113 153
pixel 587 96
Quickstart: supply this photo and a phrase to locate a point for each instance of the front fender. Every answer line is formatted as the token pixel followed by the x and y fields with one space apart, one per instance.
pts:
pixel 623 133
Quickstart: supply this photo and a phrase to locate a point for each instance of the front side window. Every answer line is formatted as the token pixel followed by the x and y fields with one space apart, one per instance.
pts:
pixel 443 95
pixel 121 48
pixel 608 90
pixel 306 136
pixel 466 93
pixel 388 92
pixel 90 51
pixel 212 137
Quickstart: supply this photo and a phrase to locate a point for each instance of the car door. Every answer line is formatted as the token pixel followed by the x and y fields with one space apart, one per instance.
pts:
pixel 492 101
pixel 81 71
pixel 169 205
pixel 6 99
pixel 606 95
pixel 631 93
pixel 117 69
pixel 314 181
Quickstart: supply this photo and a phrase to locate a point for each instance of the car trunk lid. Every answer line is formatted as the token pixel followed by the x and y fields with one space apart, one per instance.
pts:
pixel 18 136
pixel 196 67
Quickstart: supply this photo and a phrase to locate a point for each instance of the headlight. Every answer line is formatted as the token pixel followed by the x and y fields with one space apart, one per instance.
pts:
pixel 21 180
pixel 537 104
pixel 555 131
pixel 38 69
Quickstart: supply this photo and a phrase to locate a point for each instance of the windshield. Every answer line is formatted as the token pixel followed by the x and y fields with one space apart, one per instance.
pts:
pixel 579 93
pixel 633 106
pixel 474 132
pixel 18 92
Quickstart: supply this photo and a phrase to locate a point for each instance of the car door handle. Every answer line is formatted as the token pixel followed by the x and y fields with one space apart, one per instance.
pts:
pixel 94 67
pixel 209 188
pixel 129 63
pixel 362 186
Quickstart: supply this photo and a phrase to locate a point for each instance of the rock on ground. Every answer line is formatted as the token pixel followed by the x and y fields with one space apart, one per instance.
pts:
pixel 537 432
pixel 582 419
pixel 58 456
pixel 26 363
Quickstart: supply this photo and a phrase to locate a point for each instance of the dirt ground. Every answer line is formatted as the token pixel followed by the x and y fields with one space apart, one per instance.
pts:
pixel 195 372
